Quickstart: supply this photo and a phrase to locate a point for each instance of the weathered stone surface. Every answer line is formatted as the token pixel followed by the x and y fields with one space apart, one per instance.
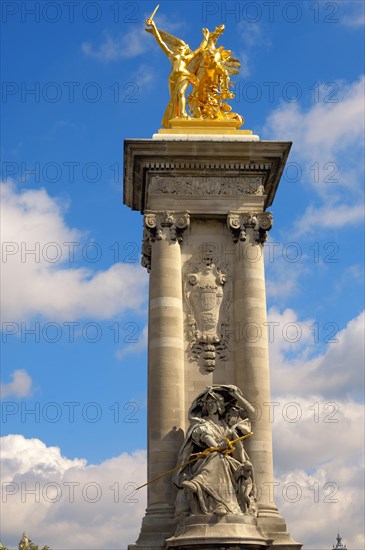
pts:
pixel 198 161
pixel 205 226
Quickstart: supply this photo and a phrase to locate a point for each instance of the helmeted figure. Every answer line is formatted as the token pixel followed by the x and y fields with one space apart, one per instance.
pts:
pixel 220 482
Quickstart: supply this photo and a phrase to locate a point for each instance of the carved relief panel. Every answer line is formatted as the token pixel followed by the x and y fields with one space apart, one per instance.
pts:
pixel 207 290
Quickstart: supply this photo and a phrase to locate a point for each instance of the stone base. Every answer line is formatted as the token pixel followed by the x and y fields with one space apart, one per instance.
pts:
pixel 157 526
pixel 204 126
pixel 205 137
pixel 275 529
pixel 213 532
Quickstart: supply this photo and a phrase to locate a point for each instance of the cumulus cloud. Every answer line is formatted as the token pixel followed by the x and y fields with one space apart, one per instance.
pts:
pixel 327 127
pixel 317 412
pixel 296 366
pixel 46 282
pixel 316 418
pixel 328 498
pixel 319 473
pixel 20 386
pixel 68 503
pixel 328 145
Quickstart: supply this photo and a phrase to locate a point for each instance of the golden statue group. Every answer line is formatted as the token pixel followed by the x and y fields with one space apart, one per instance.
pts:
pixel 207 69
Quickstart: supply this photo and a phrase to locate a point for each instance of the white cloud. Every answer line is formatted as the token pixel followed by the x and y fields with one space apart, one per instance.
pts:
pixel 20 386
pixel 329 498
pixel 329 216
pixel 318 461
pixel 127 45
pixel 325 129
pixel 35 285
pixel 328 141
pixel 318 481
pixel 317 457
pixel 336 373
pixel 94 506
pixel 317 414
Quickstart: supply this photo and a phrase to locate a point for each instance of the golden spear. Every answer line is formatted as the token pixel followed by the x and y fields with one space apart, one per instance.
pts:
pixel 149 20
pixel 201 454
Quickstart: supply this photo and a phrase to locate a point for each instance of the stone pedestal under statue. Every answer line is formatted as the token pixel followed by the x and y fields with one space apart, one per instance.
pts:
pixel 204 201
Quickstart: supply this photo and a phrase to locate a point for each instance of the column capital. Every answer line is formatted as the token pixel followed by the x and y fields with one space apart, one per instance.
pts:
pixel 256 224
pixel 162 225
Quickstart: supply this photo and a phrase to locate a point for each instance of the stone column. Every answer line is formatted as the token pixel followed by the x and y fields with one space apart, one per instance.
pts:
pixel 252 357
pixel 166 411
pixel 210 178
pixel 252 353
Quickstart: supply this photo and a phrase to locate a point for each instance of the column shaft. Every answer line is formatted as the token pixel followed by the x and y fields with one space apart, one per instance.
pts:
pixel 252 362
pixel 165 369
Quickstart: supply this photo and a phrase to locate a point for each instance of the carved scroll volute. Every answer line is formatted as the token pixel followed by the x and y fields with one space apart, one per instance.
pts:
pixel 236 225
pixel 265 224
pixel 159 226
pixel 244 224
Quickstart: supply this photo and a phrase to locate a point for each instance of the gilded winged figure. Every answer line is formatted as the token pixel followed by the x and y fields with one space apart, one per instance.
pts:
pixel 208 69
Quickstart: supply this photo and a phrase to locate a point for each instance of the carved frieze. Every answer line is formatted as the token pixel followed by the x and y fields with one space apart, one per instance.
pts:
pixel 207 290
pixel 258 224
pixel 165 225
pixel 207 185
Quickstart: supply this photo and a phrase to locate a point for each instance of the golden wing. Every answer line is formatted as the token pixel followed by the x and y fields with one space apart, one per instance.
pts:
pixel 173 42
pixel 194 65
pixel 229 63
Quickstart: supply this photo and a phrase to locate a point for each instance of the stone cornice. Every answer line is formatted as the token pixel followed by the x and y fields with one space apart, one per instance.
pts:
pixel 200 158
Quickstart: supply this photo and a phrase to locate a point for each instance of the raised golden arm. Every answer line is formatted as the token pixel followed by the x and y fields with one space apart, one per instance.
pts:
pixel 150 19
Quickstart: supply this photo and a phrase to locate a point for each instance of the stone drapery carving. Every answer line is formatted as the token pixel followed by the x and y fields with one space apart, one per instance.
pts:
pixel 209 185
pixel 220 481
pixel 162 225
pixel 207 293
pixel 259 224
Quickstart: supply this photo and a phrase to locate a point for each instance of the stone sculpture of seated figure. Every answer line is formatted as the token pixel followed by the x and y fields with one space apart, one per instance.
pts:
pixel 219 482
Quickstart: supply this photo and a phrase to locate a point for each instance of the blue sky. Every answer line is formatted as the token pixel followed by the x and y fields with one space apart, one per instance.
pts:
pixel 97 79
